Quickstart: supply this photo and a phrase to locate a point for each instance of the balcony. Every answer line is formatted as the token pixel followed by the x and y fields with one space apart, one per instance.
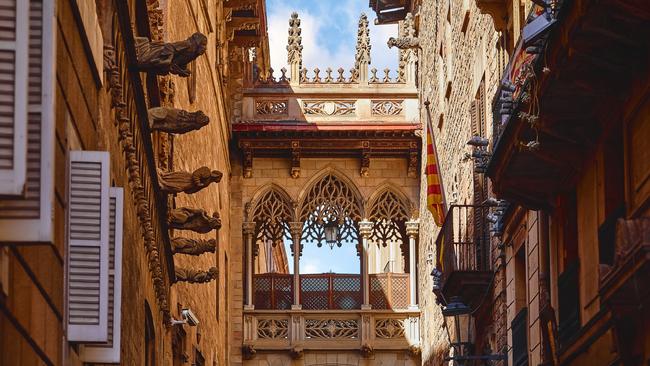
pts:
pixel 296 331
pixel 331 291
pixel 555 102
pixel 463 249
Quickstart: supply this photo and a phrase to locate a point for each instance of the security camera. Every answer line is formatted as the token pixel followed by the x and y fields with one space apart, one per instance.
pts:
pixel 187 317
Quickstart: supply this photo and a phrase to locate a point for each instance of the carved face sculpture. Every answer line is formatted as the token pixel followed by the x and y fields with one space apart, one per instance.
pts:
pixel 199 43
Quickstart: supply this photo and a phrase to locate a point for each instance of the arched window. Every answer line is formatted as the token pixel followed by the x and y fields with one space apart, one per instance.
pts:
pixel 272 214
pixel 388 212
pixel 330 213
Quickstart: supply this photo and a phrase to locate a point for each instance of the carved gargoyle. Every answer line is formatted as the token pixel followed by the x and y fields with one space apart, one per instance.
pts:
pixel 165 58
pixel 193 246
pixel 173 120
pixel 403 43
pixel 175 182
pixel 194 219
pixel 190 275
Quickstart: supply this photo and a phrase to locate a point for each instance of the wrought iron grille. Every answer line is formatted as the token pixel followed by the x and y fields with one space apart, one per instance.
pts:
pixel 273 291
pixel 463 243
pixel 330 291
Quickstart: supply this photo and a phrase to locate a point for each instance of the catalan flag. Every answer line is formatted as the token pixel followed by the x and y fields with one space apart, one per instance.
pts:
pixel 435 193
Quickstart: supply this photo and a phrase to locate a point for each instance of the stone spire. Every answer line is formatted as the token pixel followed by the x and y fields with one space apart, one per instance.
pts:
pixel 362 57
pixel 294 48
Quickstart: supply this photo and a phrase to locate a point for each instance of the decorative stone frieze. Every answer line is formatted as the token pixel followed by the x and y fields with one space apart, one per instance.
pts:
pixel 329 107
pixel 193 246
pixel 389 328
pixel 197 220
pixel 387 107
pixel 174 120
pixel 176 182
pixel 191 275
pixel 169 58
pixel 271 107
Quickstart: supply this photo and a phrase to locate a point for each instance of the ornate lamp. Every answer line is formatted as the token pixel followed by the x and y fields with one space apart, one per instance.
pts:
pixel 331 233
pixel 459 323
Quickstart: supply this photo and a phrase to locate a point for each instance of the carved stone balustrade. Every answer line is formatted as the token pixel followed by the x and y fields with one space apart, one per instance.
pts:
pixel 373 330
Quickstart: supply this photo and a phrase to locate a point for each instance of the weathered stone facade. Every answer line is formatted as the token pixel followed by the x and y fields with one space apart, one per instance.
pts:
pixel 459 55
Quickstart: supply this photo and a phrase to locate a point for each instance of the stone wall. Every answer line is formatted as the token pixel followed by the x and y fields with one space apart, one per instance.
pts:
pixel 205 147
pixel 459 50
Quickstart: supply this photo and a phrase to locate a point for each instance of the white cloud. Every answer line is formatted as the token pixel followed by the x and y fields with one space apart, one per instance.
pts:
pixel 328 35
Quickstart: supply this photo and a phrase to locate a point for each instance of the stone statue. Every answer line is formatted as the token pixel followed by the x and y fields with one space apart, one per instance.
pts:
pixel 173 120
pixel 403 42
pixel 194 219
pixel 175 182
pixel 196 276
pixel 164 58
pixel 193 246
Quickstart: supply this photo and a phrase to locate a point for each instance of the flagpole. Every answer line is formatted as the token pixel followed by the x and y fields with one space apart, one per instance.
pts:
pixel 435 155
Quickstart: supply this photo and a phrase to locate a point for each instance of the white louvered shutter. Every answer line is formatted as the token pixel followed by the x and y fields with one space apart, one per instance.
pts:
pixel 88 242
pixel 29 218
pixel 14 41
pixel 109 352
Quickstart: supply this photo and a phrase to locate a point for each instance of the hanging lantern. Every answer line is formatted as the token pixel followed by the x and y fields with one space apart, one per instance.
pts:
pixel 331 233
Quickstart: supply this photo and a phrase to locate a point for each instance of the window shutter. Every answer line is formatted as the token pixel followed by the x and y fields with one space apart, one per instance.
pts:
pixel 14 32
pixel 88 241
pixel 29 218
pixel 109 352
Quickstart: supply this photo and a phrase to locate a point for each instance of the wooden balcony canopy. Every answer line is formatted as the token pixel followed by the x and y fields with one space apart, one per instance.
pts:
pixel 585 68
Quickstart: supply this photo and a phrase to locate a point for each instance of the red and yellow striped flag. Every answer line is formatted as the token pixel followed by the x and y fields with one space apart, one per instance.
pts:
pixel 435 193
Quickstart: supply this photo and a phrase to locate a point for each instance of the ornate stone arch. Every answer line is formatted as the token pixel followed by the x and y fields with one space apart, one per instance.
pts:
pixel 388 210
pixel 330 198
pixel 272 210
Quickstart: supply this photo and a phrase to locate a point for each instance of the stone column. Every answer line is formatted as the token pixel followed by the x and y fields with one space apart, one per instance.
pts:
pixel 249 231
pixel 296 235
pixel 365 228
pixel 412 228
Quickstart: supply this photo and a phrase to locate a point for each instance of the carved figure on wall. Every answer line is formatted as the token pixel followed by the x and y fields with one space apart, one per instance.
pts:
pixel 195 219
pixel 193 246
pixel 175 182
pixel 165 58
pixel 173 120
pixel 248 351
pixel 403 42
pixel 191 275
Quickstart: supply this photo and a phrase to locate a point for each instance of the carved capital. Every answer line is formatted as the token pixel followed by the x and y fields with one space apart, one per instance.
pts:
pixel 191 275
pixel 366 350
pixel 193 246
pixel 412 228
pixel 248 228
pixel 169 58
pixel 176 182
pixel 174 120
pixel 186 218
pixel 365 228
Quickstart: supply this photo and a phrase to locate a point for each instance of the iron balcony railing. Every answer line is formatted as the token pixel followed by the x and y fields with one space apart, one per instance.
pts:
pixel 463 243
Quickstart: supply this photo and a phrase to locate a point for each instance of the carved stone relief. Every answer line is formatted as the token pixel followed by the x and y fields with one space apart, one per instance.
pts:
pixel 389 328
pixel 165 58
pixel 329 107
pixel 173 120
pixel 193 246
pixel 331 328
pixel 272 328
pixel 387 107
pixel 271 107
pixel 186 218
pixel 176 182
pixel 191 275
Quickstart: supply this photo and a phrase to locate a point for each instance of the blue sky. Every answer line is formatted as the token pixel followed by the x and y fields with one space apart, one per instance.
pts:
pixel 324 259
pixel 329 33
